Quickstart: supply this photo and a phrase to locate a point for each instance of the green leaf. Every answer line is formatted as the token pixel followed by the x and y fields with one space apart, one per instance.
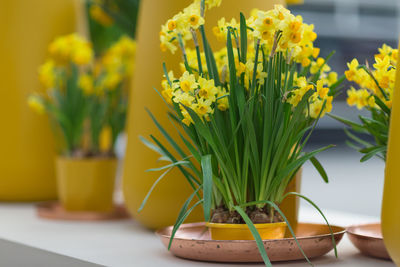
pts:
pixel 382 105
pixel 151 146
pixel 152 188
pixel 320 212
pixel 373 152
pixel 284 218
pixel 243 38
pixel 181 218
pixel 166 135
pixel 207 185
pixel 187 175
pixel 181 163
pixel 356 139
pixel 319 168
pixel 255 234
pixel 299 162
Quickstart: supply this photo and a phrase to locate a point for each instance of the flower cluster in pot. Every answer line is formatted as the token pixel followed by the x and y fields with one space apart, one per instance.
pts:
pixel 84 96
pixel 243 113
pixel 374 94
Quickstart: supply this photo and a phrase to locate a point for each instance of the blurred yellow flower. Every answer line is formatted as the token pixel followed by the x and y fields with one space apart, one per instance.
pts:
pixel 71 48
pixel 112 80
pixel 36 104
pixel 99 15
pixel 85 82
pixel 105 139
pixel 47 74
pixel 321 90
pixel 352 71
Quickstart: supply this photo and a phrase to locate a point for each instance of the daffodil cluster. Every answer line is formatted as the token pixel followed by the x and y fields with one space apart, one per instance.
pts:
pixel 115 66
pixel 71 49
pixel 197 93
pixel 374 94
pixel 83 93
pixel 378 81
pixel 181 27
pixel 295 37
pixel 320 101
pixel 276 30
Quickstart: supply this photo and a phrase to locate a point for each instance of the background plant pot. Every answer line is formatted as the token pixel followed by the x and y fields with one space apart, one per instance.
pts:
pixel 290 206
pixel 166 200
pixel 391 200
pixel 26 141
pixel 226 231
pixel 86 184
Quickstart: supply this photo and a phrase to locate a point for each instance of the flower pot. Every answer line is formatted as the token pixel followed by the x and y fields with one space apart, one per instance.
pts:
pixel 226 231
pixel 86 184
pixel 26 161
pixel 290 206
pixel 391 200
pixel 168 197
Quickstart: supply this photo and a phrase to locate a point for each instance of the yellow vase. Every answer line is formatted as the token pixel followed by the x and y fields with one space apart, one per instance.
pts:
pixel 226 231
pixel 168 197
pixel 391 199
pixel 86 184
pixel 290 206
pixel 27 150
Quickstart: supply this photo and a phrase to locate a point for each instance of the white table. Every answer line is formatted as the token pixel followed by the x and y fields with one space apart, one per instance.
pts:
pixel 126 243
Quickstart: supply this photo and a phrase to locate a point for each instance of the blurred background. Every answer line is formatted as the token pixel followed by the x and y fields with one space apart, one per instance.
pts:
pixel 354 29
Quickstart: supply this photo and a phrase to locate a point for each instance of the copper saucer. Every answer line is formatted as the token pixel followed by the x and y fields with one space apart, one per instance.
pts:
pixel 368 239
pixel 54 211
pixel 193 241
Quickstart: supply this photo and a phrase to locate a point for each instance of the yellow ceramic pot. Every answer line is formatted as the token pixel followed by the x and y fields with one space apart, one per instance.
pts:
pixel 226 231
pixel 26 141
pixel 168 197
pixel 86 184
pixel 391 198
pixel 290 206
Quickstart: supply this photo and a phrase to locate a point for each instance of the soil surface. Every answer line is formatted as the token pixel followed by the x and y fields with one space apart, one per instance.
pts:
pixel 256 215
pixel 84 154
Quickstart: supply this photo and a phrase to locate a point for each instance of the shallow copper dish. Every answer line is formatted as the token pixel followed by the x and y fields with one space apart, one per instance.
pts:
pixel 193 241
pixel 54 211
pixel 368 239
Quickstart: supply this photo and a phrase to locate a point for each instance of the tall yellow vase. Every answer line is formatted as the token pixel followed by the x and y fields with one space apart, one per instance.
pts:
pixel 27 150
pixel 166 200
pixel 391 197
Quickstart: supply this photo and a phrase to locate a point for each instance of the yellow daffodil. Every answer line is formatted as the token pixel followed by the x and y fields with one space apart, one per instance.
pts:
pixel 203 107
pixel 352 71
pixel 222 102
pixel 321 90
pixel 207 89
pixel 188 82
pixel 183 98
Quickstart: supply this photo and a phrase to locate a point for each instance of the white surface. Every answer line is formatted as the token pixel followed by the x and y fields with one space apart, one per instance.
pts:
pixel 125 243
pixel 353 187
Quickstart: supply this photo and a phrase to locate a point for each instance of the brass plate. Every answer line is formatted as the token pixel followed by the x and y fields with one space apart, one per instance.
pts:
pixel 368 239
pixel 193 241
pixel 54 211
